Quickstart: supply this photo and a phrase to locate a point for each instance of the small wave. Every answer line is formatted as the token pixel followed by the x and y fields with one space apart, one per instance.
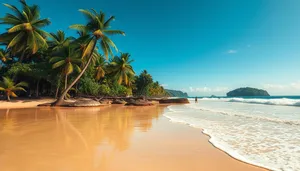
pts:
pixel 290 122
pixel 279 102
pixel 215 142
pixel 282 102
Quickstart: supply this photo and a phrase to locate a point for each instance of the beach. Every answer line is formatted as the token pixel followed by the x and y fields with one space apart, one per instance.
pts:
pixel 24 103
pixel 108 138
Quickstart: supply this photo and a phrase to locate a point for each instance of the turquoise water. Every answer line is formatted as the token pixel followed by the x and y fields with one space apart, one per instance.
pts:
pixel 259 130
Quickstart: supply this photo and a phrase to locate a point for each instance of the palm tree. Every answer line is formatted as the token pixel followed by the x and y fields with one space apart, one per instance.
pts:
pixel 4 56
pixel 69 61
pixel 59 40
pixel 9 87
pixel 121 68
pixel 100 65
pixel 97 30
pixel 25 32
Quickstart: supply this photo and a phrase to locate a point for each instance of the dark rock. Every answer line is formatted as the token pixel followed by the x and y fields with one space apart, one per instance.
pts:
pixel 83 103
pixel 118 101
pixel 178 100
pixel 139 103
pixel 248 91
pixel 106 102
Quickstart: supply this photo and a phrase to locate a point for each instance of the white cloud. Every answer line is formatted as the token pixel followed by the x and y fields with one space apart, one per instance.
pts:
pixel 283 89
pixel 231 51
pixel 209 91
pixel 164 85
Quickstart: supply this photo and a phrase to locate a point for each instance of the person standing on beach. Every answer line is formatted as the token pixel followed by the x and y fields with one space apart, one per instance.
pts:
pixel 196 99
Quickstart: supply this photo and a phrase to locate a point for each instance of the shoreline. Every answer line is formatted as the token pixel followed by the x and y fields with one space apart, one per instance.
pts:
pixel 209 140
pixel 19 104
pixel 24 103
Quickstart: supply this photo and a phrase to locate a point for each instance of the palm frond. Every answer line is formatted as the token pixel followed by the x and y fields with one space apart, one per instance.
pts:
pixel 16 40
pixel 41 23
pixel 16 28
pixel 58 64
pixel 89 48
pixel 56 59
pixel 22 84
pixel 114 32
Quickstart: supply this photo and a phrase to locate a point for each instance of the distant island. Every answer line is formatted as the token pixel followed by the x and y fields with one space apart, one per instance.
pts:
pixel 247 91
pixel 176 93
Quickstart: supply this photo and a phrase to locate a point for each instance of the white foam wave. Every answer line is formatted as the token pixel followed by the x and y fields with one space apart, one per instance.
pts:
pixel 279 101
pixel 239 114
pixel 271 145
pixel 216 143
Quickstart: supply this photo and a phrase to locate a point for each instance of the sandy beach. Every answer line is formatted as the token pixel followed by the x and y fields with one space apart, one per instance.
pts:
pixel 108 139
pixel 24 103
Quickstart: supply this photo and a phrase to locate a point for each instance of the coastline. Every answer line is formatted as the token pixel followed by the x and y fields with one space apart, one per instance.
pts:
pixel 189 147
pixel 219 147
pixel 24 103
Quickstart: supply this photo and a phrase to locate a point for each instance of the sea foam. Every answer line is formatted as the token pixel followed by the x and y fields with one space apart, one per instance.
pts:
pixel 266 136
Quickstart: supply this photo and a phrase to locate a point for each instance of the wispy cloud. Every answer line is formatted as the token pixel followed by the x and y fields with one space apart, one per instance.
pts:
pixel 164 85
pixel 231 51
pixel 208 90
pixel 291 88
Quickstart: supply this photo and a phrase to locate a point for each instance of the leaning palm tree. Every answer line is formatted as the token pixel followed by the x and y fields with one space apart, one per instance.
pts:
pixel 10 88
pixel 24 34
pixel 97 30
pixel 4 56
pixel 121 68
pixel 68 61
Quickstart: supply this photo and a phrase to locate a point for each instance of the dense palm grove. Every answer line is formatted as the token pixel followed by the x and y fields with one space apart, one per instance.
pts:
pixel 35 63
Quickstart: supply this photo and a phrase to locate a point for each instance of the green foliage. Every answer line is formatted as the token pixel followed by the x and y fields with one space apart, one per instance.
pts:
pixel 121 69
pixel 46 61
pixel 10 88
pixel 97 29
pixel 156 90
pixel 89 86
pixel 104 90
pixel 69 60
pixel 25 31
pixel 120 90
pixel 4 56
pixel 143 82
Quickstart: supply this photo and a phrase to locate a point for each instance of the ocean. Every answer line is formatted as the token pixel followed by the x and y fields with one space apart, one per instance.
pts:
pixel 264 131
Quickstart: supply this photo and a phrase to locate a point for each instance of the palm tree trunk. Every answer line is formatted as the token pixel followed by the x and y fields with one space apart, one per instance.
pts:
pixel 57 90
pixel 37 88
pixel 61 98
pixel 8 98
pixel 66 81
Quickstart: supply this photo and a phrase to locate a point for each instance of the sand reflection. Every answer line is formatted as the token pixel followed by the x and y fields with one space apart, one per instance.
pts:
pixel 83 139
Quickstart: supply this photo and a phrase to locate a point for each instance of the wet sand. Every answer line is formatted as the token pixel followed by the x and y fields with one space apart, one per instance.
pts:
pixel 112 138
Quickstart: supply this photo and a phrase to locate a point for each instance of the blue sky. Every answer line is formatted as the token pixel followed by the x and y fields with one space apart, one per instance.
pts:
pixel 202 47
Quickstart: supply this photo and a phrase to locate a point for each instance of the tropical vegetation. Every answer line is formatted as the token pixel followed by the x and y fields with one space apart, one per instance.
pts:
pixel 10 88
pixel 58 65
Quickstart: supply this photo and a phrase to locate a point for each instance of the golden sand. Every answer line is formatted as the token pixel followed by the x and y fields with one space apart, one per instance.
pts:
pixel 112 138
pixel 28 103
